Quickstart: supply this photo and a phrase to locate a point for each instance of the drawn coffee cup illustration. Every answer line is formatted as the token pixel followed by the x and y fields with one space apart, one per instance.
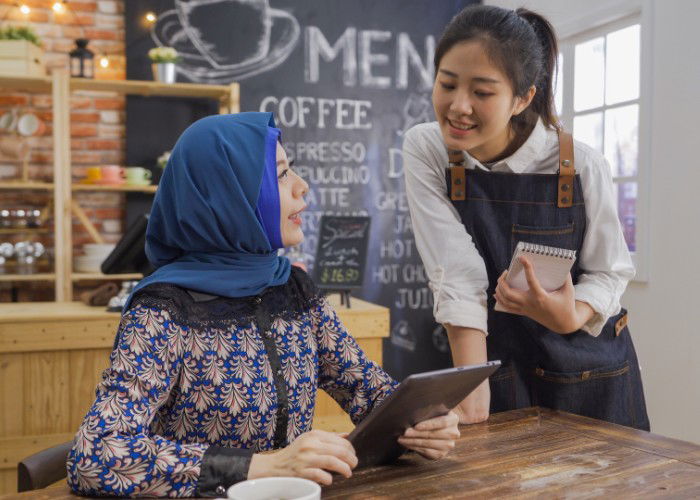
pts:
pixel 224 40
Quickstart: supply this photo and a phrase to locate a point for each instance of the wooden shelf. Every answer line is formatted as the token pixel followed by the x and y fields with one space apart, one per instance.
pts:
pixel 106 277
pixel 18 230
pixel 48 186
pixel 121 188
pixel 25 83
pixel 60 86
pixel 146 88
pixel 133 87
pixel 28 277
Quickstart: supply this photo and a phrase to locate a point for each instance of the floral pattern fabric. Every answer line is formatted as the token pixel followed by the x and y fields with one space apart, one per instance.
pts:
pixel 173 390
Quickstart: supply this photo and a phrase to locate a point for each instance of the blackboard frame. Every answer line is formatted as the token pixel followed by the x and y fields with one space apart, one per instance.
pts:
pixel 318 269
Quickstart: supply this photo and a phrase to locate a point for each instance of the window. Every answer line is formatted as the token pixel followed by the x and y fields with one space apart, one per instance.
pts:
pixel 599 98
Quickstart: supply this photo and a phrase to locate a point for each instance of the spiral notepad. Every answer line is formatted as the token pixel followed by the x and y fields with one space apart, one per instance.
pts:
pixel 551 265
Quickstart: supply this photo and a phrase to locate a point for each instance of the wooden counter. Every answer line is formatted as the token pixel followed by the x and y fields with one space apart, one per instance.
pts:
pixel 52 355
pixel 531 453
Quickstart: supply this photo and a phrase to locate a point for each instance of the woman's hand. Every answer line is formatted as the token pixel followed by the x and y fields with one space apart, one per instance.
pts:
pixel 475 407
pixel 313 455
pixel 432 438
pixel 559 311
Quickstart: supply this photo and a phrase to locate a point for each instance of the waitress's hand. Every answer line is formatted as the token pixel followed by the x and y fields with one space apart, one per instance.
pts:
pixel 475 407
pixel 559 311
pixel 432 438
pixel 314 455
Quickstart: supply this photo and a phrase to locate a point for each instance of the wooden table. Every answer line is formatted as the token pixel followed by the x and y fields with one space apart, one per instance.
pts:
pixel 52 355
pixel 530 453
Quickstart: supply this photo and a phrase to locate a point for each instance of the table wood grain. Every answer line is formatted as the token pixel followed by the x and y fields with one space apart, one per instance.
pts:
pixel 529 453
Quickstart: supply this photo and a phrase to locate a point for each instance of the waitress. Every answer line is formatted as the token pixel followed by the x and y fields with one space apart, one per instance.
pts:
pixel 496 169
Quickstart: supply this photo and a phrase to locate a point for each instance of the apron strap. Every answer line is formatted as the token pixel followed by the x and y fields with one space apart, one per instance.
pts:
pixel 458 175
pixel 565 196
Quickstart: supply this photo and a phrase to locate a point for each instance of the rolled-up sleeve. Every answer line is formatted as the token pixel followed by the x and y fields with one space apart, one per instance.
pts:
pixel 456 272
pixel 604 258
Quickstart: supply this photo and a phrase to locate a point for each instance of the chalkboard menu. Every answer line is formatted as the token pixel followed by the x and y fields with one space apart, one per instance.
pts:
pixel 342 252
pixel 345 80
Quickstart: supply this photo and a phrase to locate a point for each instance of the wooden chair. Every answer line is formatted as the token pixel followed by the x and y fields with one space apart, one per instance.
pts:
pixel 43 468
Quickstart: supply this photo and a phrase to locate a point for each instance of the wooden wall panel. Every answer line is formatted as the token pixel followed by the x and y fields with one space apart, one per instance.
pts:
pixel 8 481
pixel 46 393
pixel 85 370
pixel 12 405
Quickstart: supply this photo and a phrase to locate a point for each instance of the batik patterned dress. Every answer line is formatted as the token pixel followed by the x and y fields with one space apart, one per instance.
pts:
pixel 197 384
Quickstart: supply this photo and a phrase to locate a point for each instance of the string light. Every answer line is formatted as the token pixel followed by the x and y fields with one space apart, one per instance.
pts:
pixel 24 9
pixel 58 7
pixel 151 17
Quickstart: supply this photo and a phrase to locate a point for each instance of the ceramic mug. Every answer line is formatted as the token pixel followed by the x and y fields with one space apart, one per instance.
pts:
pixel 138 176
pixel 29 124
pixel 266 488
pixel 93 175
pixel 112 174
pixel 8 120
pixel 14 148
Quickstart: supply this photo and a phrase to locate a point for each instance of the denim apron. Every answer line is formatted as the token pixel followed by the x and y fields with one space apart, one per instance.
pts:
pixel 596 377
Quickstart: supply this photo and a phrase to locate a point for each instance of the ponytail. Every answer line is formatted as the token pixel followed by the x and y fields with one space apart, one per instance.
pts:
pixel 523 44
pixel 543 102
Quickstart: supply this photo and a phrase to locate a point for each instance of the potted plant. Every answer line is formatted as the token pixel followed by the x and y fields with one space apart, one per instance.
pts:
pixel 21 52
pixel 163 61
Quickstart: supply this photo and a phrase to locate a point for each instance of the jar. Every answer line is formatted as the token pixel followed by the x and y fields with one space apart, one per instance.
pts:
pixel 34 218
pixel 5 219
pixel 19 218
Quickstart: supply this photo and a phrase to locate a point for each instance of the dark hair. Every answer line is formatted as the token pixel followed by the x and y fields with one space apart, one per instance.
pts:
pixel 522 43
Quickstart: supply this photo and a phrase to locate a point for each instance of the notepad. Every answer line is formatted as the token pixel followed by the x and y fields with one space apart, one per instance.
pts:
pixel 551 264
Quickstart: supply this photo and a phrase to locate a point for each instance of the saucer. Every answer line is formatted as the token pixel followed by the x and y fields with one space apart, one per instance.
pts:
pixel 109 182
pixel 144 183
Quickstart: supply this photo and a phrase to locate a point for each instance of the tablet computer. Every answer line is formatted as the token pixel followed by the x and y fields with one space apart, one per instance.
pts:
pixel 419 397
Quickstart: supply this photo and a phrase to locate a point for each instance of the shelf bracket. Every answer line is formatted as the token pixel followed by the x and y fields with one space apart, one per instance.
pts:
pixel 83 218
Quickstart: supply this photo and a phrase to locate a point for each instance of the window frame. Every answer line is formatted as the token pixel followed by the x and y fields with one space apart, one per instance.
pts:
pixel 600 23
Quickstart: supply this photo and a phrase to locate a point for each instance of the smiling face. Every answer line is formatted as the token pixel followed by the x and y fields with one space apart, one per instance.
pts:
pixel 473 101
pixel 292 190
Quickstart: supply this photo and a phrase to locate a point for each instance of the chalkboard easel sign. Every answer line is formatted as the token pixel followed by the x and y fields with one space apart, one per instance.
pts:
pixel 341 254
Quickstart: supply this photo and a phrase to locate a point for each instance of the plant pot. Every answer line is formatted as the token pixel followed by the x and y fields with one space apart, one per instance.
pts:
pixel 164 72
pixel 21 58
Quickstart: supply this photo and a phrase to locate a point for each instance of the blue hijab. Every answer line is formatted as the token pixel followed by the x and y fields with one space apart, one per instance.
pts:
pixel 215 222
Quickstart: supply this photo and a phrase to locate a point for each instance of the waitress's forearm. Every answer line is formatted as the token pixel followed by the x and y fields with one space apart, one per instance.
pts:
pixel 468 345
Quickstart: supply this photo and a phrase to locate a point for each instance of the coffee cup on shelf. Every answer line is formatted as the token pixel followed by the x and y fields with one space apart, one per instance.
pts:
pixel 93 175
pixel 112 174
pixel 138 176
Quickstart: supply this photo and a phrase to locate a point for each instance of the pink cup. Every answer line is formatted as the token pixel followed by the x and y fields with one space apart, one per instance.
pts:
pixel 112 174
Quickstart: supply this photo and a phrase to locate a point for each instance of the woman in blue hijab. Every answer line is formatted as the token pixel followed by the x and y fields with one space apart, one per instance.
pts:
pixel 220 352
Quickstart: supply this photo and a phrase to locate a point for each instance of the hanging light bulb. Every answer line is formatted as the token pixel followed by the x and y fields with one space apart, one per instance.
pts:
pixel 58 7
pixel 104 61
pixel 24 9
pixel 151 17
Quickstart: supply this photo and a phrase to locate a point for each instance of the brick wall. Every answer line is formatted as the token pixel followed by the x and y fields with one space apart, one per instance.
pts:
pixel 97 119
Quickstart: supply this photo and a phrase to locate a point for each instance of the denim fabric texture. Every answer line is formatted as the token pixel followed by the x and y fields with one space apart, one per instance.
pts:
pixel 592 376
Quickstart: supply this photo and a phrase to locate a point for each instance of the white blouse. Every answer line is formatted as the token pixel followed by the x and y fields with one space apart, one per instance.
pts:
pixel 456 271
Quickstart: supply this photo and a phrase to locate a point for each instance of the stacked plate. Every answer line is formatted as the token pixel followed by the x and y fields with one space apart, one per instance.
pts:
pixel 95 254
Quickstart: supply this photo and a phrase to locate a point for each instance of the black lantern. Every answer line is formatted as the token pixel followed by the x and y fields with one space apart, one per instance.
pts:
pixel 82 60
